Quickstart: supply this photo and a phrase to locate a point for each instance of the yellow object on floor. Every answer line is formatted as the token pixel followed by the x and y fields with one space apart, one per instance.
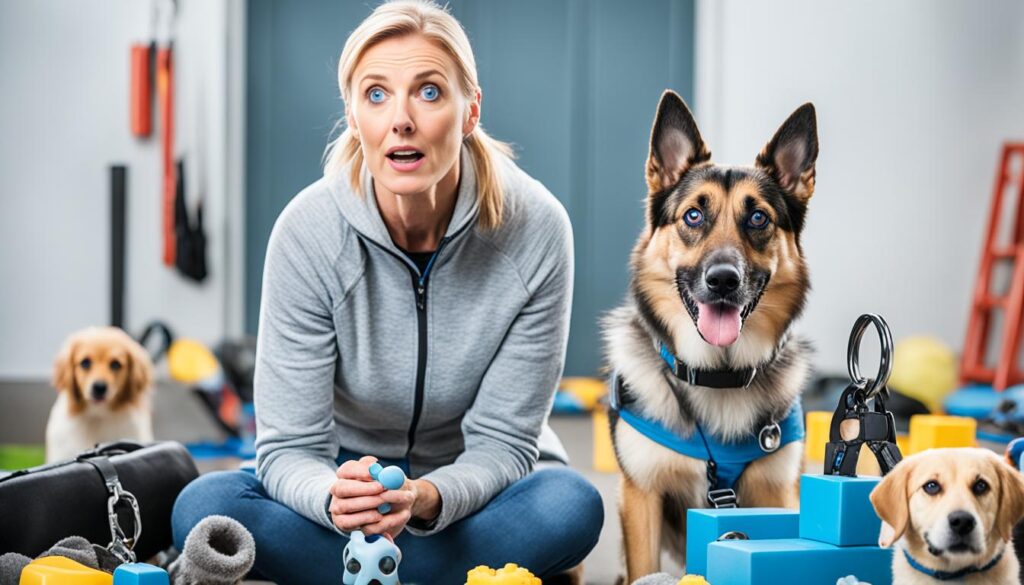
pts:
pixel 818 423
pixel 924 368
pixel 190 362
pixel 604 454
pixel 930 431
pixel 62 571
pixel 510 574
pixel 588 391
pixel 693 580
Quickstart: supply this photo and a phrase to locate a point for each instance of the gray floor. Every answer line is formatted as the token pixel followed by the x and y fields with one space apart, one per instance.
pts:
pixel 24 407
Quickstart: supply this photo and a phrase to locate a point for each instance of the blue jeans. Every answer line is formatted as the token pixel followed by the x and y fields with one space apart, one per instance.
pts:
pixel 547 522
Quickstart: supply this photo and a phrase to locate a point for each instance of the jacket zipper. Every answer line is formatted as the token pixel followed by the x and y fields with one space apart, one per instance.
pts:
pixel 419 285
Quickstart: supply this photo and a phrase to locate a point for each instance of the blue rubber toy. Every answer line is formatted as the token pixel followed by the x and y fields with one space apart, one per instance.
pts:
pixel 391 477
pixel 370 559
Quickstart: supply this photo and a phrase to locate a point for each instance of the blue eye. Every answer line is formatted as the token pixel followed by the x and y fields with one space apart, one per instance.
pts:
pixel 758 220
pixel 430 92
pixel 376 95
pixel 693 217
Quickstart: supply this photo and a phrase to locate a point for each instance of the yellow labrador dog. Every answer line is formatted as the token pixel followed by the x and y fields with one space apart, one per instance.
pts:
pixel 951 514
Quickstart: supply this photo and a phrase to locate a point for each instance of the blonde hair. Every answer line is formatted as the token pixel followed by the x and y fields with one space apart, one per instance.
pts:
pixel 424 17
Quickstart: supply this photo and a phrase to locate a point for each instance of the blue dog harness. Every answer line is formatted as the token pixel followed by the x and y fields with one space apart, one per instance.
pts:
pixel 726 461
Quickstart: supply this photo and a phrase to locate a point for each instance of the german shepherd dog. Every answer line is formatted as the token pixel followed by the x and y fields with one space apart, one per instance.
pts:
pixel 718 277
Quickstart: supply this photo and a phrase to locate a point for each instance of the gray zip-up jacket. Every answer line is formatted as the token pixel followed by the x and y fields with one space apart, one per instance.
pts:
pixel 454 368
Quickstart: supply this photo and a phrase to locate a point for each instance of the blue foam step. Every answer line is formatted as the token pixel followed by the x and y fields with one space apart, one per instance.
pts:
pixel 140 574
pixel 795 561
pixel 704 526
pixel 837 510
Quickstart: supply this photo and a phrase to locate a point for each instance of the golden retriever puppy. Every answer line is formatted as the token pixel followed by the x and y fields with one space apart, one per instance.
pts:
pixel 950 513
pixel 103 379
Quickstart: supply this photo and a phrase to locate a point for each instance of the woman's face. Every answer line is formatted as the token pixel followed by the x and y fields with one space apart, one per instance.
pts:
pixel 409 113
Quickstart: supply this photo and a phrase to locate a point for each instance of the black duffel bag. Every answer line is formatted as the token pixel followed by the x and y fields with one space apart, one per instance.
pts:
pixel 137 482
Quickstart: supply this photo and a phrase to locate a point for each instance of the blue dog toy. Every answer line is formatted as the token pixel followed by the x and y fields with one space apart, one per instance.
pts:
pixel 370 559
pixel 374 559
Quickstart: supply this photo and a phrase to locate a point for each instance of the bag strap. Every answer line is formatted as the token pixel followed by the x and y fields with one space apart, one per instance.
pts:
pixel 120 545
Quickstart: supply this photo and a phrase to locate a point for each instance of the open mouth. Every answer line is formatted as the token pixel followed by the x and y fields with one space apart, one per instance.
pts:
pixel 718 322
pixel 405 156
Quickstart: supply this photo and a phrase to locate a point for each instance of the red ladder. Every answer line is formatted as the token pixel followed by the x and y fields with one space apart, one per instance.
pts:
pixel 972 366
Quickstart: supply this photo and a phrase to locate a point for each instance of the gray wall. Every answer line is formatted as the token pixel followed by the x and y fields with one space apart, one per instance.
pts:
pixel 573 85
pixel 64 119
pixel 914 100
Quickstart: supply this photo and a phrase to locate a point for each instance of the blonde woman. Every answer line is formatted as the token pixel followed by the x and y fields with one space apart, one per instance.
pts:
pixel 415 308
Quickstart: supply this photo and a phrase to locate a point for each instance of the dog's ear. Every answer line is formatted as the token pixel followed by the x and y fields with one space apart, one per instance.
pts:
pixel 890 499
pixel 790 155
pixel 64 368
pixel 140 367
pixel 676 144
pixel 1011 499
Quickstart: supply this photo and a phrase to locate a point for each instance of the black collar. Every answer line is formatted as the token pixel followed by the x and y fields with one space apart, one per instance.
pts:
pixel 952 575
pixel 710 378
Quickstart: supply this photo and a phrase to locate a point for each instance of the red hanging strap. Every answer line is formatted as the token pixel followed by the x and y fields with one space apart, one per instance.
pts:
pixel 165 90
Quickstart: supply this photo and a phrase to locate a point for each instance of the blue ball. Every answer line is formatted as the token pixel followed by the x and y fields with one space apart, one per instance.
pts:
pixel 391 477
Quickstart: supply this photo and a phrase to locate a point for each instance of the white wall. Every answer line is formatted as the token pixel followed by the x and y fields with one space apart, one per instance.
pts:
pixel 914 99
pixel 63 121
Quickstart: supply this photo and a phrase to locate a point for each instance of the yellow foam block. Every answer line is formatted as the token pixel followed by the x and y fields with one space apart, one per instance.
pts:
pixel 693 580
pixel 818 423
pixel 62 571
pixel 604 454
pixel 510 574
pixel 903 442
pixel 931 431
pixel 587 390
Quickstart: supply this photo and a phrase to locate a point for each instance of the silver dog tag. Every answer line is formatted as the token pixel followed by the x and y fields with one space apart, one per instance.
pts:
pixel 770 437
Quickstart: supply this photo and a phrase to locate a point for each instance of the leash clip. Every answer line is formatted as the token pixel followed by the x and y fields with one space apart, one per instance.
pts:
pixel 876 426
pixel 723 498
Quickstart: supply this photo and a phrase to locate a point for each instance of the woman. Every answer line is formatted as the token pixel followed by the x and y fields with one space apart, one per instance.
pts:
pixel 415 308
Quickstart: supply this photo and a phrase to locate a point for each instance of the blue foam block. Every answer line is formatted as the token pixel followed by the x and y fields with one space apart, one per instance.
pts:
pixel 140 574
pixel 837 510
pixel 704 526
pixel 975 401
pixel 795 561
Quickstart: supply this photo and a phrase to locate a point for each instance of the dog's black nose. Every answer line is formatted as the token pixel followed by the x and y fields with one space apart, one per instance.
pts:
pixel 961 523
pixel 99 390
pixel 722 278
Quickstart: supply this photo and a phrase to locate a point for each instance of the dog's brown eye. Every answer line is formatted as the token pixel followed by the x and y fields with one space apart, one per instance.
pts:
pixel 115 365
pixel 980 487
pixel 932 488
pixel 86 363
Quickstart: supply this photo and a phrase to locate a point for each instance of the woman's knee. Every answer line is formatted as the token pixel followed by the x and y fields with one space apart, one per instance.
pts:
pixel 222 492
pixel 574 503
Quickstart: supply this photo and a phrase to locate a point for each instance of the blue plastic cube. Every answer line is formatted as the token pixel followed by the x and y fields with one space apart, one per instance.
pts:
pixel 704 526
pixel 837 510
pixel 797 561
pixel 140 574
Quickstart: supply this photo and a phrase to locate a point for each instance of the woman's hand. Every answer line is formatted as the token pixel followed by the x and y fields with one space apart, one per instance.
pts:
pixel 355 496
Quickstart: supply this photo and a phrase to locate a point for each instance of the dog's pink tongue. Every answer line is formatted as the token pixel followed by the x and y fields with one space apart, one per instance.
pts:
pixel 718 324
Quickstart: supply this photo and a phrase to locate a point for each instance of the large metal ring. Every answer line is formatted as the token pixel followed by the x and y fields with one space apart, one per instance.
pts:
pixel 872 386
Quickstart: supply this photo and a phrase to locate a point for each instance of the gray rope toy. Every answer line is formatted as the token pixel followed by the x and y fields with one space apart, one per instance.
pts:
pixel 218 551
pixel 75 548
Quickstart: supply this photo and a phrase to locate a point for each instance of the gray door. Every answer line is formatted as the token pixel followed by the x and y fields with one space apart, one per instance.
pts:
pixel 573 85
